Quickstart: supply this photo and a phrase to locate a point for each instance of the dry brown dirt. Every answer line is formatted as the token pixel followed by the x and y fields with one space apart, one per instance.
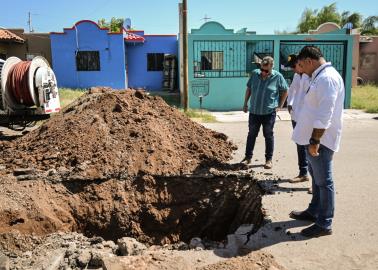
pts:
pixel 122 163
pixel 117 134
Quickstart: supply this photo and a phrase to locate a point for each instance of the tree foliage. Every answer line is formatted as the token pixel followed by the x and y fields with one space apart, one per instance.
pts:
pixel 115 24
pixel 370 26
pixel 311 19
pixel 355 18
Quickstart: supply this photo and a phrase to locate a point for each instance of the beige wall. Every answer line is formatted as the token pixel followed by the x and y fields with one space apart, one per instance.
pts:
pixel 325 28
pixel 368 64
pixel 12 49
pixel 355 59
pixel 35 44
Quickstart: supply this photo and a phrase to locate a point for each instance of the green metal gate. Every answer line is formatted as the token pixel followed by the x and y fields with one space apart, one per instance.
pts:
pixel 333 51
pixel 228 58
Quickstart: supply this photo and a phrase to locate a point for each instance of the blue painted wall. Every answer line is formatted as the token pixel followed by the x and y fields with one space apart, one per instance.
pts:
pixel 137 73
pixel 87 36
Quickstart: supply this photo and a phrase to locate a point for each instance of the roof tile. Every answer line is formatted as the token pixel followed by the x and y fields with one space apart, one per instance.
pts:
pixel 6 35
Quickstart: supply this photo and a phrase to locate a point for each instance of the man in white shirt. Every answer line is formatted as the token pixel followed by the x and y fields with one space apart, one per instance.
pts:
pixel 296 94
pixel 319 129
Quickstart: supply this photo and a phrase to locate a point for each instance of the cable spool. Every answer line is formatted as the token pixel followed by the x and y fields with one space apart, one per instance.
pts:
pixel 23 82
pixel 18 83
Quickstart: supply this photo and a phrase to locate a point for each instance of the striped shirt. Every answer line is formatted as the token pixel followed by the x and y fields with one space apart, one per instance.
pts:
pixel 265 93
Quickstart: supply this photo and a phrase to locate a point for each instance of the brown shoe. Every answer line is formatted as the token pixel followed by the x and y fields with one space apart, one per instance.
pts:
pixel 268 164
pixel 246 161
pixel 299 178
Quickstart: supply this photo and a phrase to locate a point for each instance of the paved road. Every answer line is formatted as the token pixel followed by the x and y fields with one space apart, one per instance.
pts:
pixel 354 244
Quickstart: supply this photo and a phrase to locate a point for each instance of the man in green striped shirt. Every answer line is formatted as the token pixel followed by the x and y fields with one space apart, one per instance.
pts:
pixel 267 92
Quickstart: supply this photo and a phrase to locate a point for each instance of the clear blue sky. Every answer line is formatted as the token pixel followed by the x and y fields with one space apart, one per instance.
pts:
pixel 161 16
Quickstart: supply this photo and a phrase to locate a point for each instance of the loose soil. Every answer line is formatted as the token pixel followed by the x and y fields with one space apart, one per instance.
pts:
pixel 118 134
pixel 122 163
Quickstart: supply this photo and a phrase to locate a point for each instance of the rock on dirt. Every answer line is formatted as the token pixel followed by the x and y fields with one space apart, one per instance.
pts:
pixel 84 258
pixel 196 242
pixel 129 246
pixel 4 262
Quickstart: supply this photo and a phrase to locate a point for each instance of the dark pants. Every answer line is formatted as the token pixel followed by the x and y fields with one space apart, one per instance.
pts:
pixel 302 160
pixel 254 124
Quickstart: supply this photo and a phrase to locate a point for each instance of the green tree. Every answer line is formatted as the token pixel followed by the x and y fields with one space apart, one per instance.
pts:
pixel 311 19
pixel 370 26
pixel 115 24
pixel 328 14
pixel 355 18
pixel 308 21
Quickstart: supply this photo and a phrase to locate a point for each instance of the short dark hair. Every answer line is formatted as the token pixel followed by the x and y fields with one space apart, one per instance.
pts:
pixel 312 52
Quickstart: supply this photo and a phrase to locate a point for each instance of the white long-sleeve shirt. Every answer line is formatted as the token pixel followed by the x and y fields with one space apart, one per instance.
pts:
pixel 322 108
pixel 296 94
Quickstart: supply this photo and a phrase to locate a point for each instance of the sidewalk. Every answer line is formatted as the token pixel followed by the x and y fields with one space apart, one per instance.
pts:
pixel 240 116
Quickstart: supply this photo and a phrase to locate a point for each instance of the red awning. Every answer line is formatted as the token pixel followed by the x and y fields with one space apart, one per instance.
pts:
pixel 130 37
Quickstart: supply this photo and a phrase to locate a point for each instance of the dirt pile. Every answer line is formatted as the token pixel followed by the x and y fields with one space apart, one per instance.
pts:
pixel 117 134
pixel 122 163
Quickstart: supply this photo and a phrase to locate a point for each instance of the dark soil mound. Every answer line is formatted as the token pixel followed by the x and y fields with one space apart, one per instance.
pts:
pixel 117 134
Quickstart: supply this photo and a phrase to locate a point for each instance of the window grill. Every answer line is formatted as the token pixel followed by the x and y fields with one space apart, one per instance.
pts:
pixel 224 59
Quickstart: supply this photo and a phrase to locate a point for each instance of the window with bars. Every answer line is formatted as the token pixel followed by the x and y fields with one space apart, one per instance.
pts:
pixel 88 61
pixel 155 61
pixel 211 60
pixel 227 58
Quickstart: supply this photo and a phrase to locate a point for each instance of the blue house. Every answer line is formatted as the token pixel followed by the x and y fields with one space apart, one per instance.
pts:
pixel 87 55
pixel 144 59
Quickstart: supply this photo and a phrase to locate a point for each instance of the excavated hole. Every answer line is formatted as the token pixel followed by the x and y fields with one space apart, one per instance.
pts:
pixel 161 210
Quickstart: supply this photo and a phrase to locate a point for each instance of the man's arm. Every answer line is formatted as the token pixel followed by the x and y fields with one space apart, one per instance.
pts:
pixel 283 96
pixel 295 84
pixel 326 94
pixel 283 87
pixel 246 98
pixel 313 149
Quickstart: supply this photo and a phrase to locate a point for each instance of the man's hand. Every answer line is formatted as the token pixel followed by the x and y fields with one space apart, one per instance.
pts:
pixel 313 150
pixel 245 108
pixel 290 108
pixel 278 108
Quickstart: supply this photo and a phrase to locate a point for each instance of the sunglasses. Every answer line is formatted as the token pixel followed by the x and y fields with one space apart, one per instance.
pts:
pixel 264 70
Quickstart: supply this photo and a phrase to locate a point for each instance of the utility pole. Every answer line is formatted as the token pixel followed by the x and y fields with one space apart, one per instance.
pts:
pixel 30 23
pixel 185 54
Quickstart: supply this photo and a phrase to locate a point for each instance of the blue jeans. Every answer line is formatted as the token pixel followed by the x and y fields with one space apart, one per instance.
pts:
pixel 302 160
pixel 322 205
pixel 254 123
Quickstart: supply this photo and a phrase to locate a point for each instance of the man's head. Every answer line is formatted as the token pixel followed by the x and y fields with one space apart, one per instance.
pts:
pixel 310 58
pixel 292 62
pixel 266 66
